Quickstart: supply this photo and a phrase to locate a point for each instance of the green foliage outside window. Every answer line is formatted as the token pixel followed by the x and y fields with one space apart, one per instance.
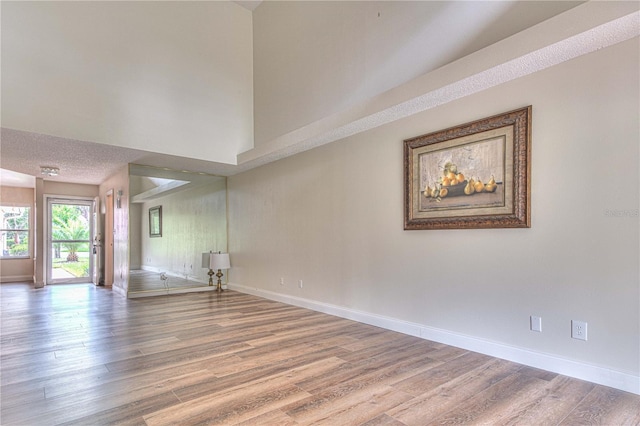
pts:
pixel 14 231
pixel 70 222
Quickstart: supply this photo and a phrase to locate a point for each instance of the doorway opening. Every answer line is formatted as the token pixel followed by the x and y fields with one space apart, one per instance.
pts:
pixel 69 252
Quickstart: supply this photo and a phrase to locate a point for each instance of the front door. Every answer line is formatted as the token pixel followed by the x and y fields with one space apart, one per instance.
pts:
pixel 69 251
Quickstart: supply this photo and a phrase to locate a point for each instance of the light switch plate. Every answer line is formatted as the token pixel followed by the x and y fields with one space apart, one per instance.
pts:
pixel 536 323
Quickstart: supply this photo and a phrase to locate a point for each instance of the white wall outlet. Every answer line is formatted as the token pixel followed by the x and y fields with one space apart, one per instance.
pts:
pixel 281 281
pixel 579 330
pixel 535 323
pixel 300 283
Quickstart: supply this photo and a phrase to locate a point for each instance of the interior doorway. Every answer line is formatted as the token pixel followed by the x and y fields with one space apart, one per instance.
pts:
pixel 69 252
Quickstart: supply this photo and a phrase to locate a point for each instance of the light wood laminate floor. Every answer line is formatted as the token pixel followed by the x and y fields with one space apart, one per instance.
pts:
pixel 82 355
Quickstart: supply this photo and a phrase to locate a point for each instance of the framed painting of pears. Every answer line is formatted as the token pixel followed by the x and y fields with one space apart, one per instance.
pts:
pixel 476 175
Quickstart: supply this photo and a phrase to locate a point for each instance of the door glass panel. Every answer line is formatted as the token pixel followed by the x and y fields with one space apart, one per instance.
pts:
pixel 69 264
pixel 70 249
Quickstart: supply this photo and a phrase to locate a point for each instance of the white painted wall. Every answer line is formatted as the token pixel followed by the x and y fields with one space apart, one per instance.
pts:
pixel 19 270
pixel 135 235
pixel 40 238
pixel 176 76
pixel 333 217
pixel 194 221
pixel 313 59
pixel 72 189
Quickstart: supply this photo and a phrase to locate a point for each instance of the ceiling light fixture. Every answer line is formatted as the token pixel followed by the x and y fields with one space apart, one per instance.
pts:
pixel 49 171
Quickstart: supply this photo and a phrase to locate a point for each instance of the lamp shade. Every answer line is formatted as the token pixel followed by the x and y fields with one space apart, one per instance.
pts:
pixel 220 261
pixel 216 260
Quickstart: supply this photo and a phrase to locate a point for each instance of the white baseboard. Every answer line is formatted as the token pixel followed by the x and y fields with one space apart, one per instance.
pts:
pixel 164 292
pixel 17 279
pixel 176 290
pixel 173 274
pixel 152 269
pixel 600 375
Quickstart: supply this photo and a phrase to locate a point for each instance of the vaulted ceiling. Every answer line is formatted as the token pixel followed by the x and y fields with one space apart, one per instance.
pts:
pixel 121 87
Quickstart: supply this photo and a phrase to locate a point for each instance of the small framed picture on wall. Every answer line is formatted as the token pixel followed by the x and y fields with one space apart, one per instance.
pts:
pixel 155 221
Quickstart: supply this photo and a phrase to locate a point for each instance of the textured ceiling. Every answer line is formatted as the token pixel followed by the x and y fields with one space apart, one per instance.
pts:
pixel 84 162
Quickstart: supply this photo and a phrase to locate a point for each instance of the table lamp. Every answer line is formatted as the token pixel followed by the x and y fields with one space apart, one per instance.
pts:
pixel 216 261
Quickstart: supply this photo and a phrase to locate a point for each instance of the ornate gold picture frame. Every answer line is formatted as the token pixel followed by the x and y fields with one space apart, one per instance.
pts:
pixel 476 175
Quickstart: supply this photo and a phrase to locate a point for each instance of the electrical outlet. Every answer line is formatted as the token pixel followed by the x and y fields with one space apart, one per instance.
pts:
pixel 536 323
pixel 300 283
pixel 579 330
pixel 281 281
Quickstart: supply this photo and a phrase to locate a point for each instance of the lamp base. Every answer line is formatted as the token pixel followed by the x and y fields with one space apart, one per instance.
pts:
pixel 210 273
pixel 219 275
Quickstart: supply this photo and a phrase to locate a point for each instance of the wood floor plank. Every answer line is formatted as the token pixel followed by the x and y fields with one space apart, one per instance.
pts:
pixel 110 382
pixel 66 379
pixel 71 407
pixel 391 367
pixel 444 395
pixel 606 406
pixel 12 399
pixel 548 405
pixel 275 417
pixel 429 379
pixel 326 330
pixel 127 414
pixel 175 356
pixel 263 370
pixel 345 405
pixel 232 405
pixel 383 420
pixel 36 372
pixel 80 355
pixel 489 405
pixel 274 356
pixel 20 360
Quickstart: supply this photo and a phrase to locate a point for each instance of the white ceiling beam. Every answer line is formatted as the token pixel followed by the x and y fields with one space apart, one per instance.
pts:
pixel 579 31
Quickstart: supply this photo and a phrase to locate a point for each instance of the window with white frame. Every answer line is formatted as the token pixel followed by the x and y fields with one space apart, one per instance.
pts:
pixel 14 231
